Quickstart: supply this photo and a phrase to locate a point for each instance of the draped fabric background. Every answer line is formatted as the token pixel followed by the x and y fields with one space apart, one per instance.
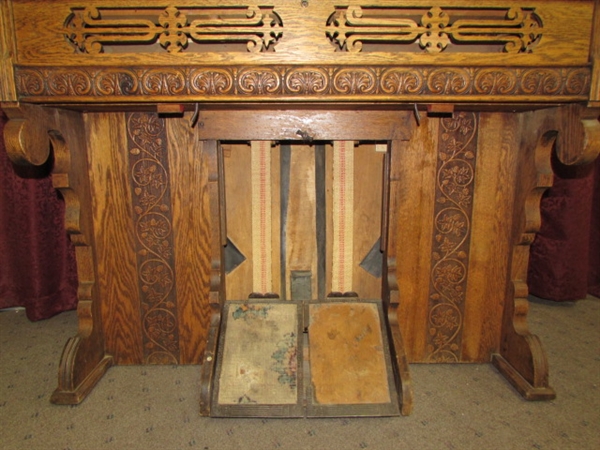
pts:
pixel 565 256
pixel 37 262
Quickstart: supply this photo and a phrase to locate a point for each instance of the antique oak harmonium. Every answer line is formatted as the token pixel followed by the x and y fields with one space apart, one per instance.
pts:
pixel 301 197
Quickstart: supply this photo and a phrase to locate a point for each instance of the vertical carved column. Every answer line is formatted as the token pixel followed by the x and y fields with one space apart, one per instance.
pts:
pixel 151 195
pixel 457 148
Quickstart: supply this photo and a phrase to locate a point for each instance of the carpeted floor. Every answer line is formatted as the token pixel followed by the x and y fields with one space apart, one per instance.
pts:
pixel 456 406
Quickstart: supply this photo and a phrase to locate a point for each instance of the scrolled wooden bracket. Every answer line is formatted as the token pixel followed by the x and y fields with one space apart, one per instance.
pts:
pixel 26 133
pixel 579 134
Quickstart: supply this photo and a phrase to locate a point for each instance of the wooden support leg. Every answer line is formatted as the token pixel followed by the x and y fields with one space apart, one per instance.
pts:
pixel 522 359
pixel 31 132
pixel 576 133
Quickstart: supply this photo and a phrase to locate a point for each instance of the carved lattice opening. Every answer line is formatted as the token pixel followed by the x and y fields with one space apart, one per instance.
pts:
pixel 203 29
pixel 433 30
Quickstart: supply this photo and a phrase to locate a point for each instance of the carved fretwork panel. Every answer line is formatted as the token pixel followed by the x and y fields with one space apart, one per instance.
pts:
pixel 455 180
pixel 150 190
pixel 435 29
pixel 96 30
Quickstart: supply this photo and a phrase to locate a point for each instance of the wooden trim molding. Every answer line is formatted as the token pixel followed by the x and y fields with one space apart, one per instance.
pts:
pixel 303 83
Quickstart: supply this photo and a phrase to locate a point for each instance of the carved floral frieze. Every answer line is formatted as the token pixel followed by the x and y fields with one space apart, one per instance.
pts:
pixel 382 83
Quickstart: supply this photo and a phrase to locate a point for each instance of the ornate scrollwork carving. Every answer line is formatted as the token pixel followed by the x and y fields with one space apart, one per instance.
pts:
pixel 154 241
pixel 400 81
pixel 355 81
pixel 310 81
pixel 452 230
pixel 91 28
pixel 211 81
pixel 258 82
pixel 378 83
pixel 518 30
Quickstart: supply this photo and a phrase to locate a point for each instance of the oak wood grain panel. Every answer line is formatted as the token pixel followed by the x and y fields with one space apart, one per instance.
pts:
pixel 414 174
pixel 115 242
pixel 191 228
pixel 368 173
pixel 498 147
pixel 314 123
pixel 8 90
pixel 41 38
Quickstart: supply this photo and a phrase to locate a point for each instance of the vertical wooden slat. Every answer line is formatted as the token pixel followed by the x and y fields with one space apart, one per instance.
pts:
pixel 238 194
pixel 262 277
pixel 343 218
pixel 301 224
pixel 367 216
pixel 285 160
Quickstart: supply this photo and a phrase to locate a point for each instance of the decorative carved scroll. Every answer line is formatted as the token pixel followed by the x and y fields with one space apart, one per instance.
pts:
pixel 519 30
pixel 154 239
pixel 91 28
pixel 452 235
pixel 380 83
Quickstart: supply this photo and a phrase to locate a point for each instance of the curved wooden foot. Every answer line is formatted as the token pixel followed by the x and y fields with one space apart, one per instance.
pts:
pixel 79 371
pixel 522 359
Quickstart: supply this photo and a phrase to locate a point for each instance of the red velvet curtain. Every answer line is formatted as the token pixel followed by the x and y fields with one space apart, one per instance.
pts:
pixel 565 256
pixel 37 262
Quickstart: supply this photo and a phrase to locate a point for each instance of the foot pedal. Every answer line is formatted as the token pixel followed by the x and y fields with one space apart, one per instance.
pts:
pixel 316 359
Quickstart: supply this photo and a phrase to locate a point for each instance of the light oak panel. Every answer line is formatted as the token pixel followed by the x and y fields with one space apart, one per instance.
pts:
pixel 368 183
pixel 191 228
pixel 413 173
pixel 115 241
pixel 490 235
pixel 238 192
